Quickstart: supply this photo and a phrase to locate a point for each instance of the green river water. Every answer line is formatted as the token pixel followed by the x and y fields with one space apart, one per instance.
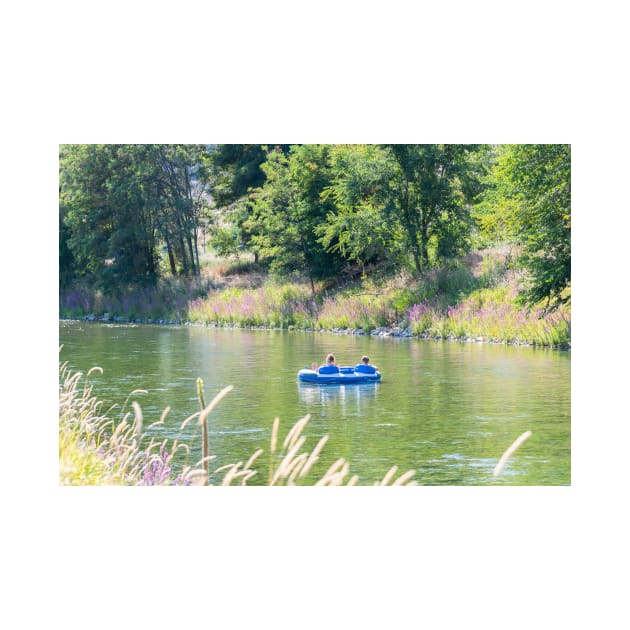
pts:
pixel 448 410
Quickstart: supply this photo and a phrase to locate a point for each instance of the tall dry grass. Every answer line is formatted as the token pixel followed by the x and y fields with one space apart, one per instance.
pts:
pixel 94 449
pixel 509 452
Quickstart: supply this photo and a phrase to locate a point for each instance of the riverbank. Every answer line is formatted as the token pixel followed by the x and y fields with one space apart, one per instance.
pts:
pixel 384 331
pixel 475 300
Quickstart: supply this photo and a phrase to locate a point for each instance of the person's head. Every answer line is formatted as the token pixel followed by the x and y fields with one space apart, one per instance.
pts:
pixel 330 359
pixel 365 360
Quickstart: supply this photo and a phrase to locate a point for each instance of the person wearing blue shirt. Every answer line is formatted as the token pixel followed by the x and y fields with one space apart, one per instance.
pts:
pixel 364 367
pixel 330 367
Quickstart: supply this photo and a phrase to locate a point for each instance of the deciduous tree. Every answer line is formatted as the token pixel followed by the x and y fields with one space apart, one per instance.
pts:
pixel 288 208
pixel 530 203
pixel 361 224
pixel 432 187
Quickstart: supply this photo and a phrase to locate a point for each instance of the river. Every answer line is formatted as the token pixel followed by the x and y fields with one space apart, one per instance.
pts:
pixel 447 410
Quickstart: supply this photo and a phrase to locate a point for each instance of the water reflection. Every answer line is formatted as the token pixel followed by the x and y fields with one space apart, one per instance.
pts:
pixel 355 395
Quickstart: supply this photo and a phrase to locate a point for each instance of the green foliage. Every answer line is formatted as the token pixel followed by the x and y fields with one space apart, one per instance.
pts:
pixel 324 204
pixel 529 202
pixel 66 258
pixel 359 226
pixel 225 241
pixel 237 168
pixel 131 213
pixel 497 211
pixel 288 208
pixel 541 175
pixel 120 203
pixel 432 188
pixel 404 299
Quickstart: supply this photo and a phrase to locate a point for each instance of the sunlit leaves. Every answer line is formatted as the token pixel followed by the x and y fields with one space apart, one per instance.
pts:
pixel 529 202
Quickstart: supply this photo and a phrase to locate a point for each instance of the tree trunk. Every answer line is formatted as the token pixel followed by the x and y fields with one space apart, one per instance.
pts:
pixel 184 256
pixel 196 242
pixel 416 256
pixel 411 227
pixel 423 246
pixel 191 253
pixel 171 258
pixel 182 246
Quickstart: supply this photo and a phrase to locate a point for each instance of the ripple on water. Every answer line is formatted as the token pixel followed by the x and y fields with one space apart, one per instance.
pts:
pixel 237 431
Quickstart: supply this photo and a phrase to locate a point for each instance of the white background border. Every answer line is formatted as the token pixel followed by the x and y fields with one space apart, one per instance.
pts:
pixel 327 72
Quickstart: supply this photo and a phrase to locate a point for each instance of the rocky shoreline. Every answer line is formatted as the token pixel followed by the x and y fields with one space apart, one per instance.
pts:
pixel 383 331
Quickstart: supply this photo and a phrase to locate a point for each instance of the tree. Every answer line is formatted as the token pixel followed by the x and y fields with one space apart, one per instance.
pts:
pixel 433 186
pixel 495 214
pixel 235 170
pixel 119 203
pixel 287 209
pixel 66 258
pixel 183 181
pixel 530 203
pixel 359 225
pixel 111 236
pixel 225 240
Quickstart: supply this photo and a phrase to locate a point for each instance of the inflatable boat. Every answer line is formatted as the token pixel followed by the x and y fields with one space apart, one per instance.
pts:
pixel 335 376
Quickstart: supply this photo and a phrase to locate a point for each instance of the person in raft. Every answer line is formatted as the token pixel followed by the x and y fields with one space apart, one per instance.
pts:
pixel 364 367
pixel 330 367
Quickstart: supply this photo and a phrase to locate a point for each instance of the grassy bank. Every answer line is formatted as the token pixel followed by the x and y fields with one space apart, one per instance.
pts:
pixel 475 298
pixel 492 315
pixel 168 300
pixel 97 449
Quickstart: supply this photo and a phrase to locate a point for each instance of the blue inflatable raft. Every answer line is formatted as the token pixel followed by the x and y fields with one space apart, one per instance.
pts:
pixel 335 376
